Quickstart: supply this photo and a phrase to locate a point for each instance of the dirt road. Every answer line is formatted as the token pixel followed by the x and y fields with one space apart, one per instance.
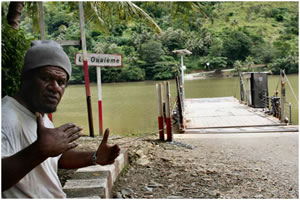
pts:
pixel 248 165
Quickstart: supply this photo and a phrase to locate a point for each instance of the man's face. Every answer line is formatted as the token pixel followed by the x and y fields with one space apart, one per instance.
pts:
pixel 45 89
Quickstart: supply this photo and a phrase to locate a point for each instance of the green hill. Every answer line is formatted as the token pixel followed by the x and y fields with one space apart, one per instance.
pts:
pixel 268 19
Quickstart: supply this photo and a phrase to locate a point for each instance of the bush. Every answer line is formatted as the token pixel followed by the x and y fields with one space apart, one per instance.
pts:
pixel 164 70
pixel 289 64
pixel 110 74
pixel 133 74
pixel 214 62
pixel 14 46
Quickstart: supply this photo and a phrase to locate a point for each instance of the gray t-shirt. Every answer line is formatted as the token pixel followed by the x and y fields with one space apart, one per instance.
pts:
pixel 19 130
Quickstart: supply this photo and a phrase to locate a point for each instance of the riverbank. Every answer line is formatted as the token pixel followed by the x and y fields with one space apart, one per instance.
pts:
pixel 210 74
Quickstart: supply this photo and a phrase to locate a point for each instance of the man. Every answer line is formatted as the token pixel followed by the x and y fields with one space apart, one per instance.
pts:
pixel 32 149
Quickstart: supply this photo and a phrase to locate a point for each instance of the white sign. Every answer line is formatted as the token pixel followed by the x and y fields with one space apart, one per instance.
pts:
pixel 104 60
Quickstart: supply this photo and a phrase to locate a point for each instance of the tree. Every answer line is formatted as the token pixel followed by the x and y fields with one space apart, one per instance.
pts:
pixel 215 62
pixel 249 62
pixel 173 39
pixel 238 66
pixel 14 45
pixel 99 14
pixel 14 14
pixel 151 53
pixel 199 43
pixel 236 46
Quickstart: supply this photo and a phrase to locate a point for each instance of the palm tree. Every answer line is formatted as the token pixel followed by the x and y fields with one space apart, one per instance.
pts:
pixel 97 13
pixel 14 14
pixel 101 14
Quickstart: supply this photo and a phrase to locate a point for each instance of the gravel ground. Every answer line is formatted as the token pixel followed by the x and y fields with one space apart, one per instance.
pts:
pixel 206 168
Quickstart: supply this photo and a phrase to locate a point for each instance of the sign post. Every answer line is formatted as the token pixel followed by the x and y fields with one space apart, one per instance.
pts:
pixel 99 86
pixel 98 60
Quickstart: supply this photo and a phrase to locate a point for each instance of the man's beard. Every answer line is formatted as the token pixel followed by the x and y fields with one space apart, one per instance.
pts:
pixel 48 108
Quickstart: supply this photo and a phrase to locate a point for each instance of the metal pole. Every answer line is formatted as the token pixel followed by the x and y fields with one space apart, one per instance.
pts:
pixel 179 104
pixel 182 82
pixel 86 72
pixel 290 108
pixel 242 88
pixel 160 112
pixel 282 98
pixel 99 100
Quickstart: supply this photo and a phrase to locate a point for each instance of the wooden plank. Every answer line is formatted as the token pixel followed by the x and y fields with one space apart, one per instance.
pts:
pixel 265 129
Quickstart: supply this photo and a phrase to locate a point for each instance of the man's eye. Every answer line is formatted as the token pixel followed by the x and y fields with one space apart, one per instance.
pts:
pixel 61 83
pixel 45 78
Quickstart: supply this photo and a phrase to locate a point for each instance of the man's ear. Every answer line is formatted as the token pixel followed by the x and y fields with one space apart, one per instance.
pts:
pixel 26 80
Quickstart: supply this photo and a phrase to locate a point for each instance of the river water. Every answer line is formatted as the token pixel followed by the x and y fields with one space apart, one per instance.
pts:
pixel 131 108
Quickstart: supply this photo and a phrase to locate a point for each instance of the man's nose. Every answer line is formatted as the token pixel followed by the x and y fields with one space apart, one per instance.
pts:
pixel 54 86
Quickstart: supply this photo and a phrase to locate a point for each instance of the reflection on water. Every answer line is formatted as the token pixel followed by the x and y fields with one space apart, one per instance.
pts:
pixel 131 108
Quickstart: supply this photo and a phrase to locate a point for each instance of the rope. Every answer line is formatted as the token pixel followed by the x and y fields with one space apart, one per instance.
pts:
pixel 291 87
pixel 277 84
pixel 174 105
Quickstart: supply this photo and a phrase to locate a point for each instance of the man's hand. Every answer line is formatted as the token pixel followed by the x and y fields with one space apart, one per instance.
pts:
pixel 106 154
pixel 54 141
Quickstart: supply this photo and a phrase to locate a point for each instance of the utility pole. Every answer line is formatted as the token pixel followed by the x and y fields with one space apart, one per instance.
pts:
pixel 86 72
pixel 42 23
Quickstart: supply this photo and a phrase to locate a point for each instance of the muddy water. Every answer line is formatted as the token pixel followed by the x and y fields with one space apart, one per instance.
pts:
pixel 131 108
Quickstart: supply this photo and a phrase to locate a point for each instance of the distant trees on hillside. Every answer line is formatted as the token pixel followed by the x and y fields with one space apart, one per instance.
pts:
pixel 213 31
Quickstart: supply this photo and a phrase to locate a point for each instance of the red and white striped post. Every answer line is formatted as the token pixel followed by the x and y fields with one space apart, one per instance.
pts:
pixel 100 60
pixel 50 117
pixel 160 113
pixel 168 113
pixel 86 72
pixel 99 100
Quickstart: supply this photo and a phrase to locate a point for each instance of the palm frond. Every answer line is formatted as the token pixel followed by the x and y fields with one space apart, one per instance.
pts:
pixel 102 14
pixel 140 12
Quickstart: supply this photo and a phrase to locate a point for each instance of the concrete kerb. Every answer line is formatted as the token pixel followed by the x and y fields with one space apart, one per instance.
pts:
pixel 95 181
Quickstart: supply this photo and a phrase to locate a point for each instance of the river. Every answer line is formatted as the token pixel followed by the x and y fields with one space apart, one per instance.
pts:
pixel 131 108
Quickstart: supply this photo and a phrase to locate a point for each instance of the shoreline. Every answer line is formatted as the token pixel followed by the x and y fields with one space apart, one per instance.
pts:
pixel 226 73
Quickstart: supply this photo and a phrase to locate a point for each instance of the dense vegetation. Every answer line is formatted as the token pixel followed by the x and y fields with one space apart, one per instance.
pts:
pixel 223 34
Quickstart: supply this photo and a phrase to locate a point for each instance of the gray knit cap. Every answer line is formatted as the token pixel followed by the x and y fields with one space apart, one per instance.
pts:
pixel 46 52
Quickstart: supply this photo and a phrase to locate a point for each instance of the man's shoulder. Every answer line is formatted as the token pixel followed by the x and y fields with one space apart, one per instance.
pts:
pixel 8 111
pixel 12 112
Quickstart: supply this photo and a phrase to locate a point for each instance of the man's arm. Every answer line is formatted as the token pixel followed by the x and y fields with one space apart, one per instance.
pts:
pixel 15 167
pixel 74 159
pixel 51 142
pixel 106 154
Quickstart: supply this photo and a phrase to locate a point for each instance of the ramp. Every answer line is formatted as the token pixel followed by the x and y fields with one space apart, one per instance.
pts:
pixel 222 113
